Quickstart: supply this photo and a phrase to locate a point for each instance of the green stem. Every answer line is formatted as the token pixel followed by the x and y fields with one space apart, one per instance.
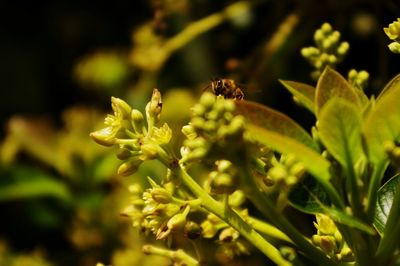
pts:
pixel 355 198
pixel 205 24
pixel 233 219
pixel 267 208
pixel 175 255
pixel 268 229
pixel 391 234
pixel 377 174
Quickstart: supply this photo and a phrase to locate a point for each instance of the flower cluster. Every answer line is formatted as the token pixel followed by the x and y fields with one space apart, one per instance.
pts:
pixel 213 128
pixel 282 176
pixel 358 78
pixel 285 173
pixel 224 179
pixel 329 51
pixel 329 239
pixel 136 143
pixel 154 210
pixel 229 240
pixel 393 32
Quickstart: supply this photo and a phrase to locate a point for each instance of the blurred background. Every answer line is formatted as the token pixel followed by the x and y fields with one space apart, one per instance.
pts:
pixel 61 61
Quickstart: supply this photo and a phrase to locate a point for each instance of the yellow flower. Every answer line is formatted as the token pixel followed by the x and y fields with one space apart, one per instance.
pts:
pixel 393 31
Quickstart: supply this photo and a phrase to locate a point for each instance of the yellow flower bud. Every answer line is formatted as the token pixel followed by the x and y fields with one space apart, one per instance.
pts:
pixel 137 120
pixel 104 136
pixel 394 47
pixel 129 167
pixel 393 31
pixel 207 100
pixel 161 195
pixel 154 107
pixel 149 150
pixel 189 132
pixel 121 108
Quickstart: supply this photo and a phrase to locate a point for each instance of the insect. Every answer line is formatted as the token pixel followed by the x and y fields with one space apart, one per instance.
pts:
pixel 226 87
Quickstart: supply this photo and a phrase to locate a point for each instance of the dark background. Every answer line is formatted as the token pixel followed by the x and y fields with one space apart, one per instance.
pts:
pixel 41 41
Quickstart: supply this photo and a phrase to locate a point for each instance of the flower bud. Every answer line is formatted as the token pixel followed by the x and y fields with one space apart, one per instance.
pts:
pixel 394 47
pixel 189 132
pixel 325 225
pixel 363 75
pixel 192 230
pixel 197 122
pixel 121 108
pixel 174 224
pixel 277 173
pixel 124 153
pixel 224 165
pixel 154 107
pixel 150 151
pixel 129 167
pixel 208 229
pixel 326 28
pixel 207 100
pixel 137 120
pixel 327 244
pixel 288 253
pixel 223 184
pixel 319 36
pixel 198 153
pixel 343 48
pixel 161 195
pixel 298 169
pixel 393 31
pixel 104 136
pixel 237 198
pixel 352 74
pixel 229 106
pixel 198 110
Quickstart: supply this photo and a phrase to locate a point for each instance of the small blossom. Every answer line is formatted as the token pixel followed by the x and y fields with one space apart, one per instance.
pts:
pixel 129 167
pixel 154 107
pixel 393 31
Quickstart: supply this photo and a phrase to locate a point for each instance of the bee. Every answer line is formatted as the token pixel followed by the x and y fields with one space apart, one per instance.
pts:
pixel 226 87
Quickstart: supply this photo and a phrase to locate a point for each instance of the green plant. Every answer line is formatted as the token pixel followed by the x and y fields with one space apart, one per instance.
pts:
pixel 236 152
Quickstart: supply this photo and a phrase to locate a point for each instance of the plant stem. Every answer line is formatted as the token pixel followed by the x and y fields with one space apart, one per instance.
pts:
pixel 233 219
pixel 373 187
pixel 205 24
pixel 391 234
pixel 268 229
pixel 355 199
pixel 175 255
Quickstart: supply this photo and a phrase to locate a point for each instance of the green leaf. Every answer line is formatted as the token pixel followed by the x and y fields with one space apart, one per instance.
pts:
pixel 310 197
pixel 315 164
pixel 382 124
pixel 339 129
pixel 275 121
pixel 302 92
pixel 392 84
pixel 391 233
pixel 384 202
pixel 330 85
pixel 29 183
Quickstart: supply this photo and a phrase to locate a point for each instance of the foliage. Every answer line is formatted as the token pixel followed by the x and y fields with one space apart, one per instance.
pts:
pixel 264 157
pixel 210 180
